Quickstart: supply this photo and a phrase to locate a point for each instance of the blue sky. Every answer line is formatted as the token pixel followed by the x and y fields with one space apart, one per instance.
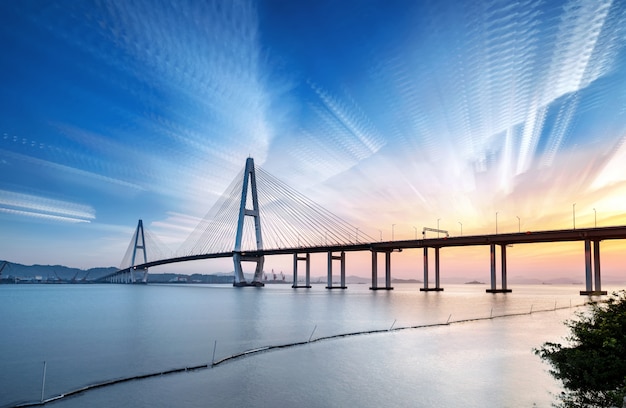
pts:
pixel 385 112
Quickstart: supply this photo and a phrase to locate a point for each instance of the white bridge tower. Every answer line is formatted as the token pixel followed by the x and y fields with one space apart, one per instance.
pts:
pixel 140 243
pixel 249 178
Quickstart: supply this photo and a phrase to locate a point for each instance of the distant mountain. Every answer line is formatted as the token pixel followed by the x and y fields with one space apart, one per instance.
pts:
pixel 407 281
pixel 612 279
pixel 195 278
pixel 521 280
pixel 457 280
pixel 353 279
pixel 563 281
pixel 14 272
pixel 64 274
pixel 52 273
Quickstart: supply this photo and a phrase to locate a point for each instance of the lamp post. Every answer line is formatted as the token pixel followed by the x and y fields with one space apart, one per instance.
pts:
pixel 595 218
pixel 438 227
pixel 392 231
pixel 574 215
pixel 381 235
pixel 461 224
pixel 519 224
pixel 415 228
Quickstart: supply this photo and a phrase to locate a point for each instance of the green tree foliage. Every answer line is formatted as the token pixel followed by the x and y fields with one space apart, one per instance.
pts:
pixel 592 366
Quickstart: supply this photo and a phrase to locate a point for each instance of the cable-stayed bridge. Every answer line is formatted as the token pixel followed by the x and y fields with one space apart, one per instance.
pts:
pixel 260 216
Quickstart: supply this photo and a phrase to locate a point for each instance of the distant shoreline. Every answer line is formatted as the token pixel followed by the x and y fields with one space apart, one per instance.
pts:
pixel 14 273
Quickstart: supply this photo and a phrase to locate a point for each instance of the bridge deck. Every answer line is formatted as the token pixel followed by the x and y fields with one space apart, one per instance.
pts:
pixel 529 237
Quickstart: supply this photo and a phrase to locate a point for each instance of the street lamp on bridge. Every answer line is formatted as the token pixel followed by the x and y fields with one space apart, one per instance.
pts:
pixel 519 224
pixel 381 235
pixel 461 224
pixel 574 214
pixel 415 228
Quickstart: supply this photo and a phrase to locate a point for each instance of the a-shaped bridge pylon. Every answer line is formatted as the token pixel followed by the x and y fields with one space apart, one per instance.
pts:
pixel 249 186
pixel 134 266
pixel 137 244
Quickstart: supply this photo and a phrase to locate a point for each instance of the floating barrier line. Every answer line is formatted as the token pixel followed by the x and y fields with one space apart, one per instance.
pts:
pixel 269 348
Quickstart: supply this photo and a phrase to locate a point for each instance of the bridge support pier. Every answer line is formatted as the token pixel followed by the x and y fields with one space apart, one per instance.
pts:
pixel 492 250
pixel 374 270
pixel 387 271
pixel 589 279
pixel 143 275
pixel 342 259
pixel 307 259
pixel 240 280
pixel 437 287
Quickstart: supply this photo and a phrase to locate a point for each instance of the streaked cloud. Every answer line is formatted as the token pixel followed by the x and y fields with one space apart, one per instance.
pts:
pixel 44 208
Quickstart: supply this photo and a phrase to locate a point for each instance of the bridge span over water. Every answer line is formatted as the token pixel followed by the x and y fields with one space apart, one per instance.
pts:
pixel 299 227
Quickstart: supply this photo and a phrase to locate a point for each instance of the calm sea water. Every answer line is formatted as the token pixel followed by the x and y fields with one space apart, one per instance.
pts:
pixel 92 333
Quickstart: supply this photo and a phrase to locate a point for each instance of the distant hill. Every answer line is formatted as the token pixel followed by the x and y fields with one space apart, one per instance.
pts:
pixel 195 278
pixel 63 274
pixel 52 273
pixel 353 279
pixel 14 272
pixel 407 281
pixel 521 280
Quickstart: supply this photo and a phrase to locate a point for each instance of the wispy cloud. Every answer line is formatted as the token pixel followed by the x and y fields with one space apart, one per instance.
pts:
pixel 174 228
pixel 41 216
pixel 504 101
pixel 207 57
pixel 351 126
pixel 44 208
pixel 189 88
pixel 335 136
pixel 58 168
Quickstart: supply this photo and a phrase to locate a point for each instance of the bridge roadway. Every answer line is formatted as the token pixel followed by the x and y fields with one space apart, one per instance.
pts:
pixel 587 235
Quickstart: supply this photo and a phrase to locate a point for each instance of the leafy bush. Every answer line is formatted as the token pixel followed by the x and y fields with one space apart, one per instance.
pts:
pixel 592 366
